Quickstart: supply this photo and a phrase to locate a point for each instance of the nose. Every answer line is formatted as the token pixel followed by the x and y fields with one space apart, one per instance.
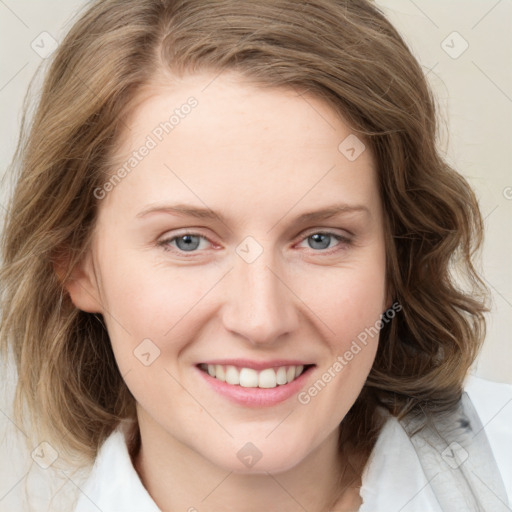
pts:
pixel 261 303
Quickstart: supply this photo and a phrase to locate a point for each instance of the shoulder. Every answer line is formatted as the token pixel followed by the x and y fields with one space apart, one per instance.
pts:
pixel 393 478
pixel 487 395
pixel 113 483
pixel 493 403
pixel 450 458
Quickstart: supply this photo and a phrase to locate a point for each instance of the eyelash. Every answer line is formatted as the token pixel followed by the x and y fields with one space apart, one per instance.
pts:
pixel 344 243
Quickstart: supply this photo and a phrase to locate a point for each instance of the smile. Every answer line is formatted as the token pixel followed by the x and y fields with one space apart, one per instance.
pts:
pixel 250 378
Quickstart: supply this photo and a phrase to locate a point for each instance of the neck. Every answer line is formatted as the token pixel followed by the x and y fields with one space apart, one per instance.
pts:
pixel 179 478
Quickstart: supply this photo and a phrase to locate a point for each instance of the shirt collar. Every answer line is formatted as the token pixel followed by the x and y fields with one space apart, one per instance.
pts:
pixel 113 484
pixel 392 480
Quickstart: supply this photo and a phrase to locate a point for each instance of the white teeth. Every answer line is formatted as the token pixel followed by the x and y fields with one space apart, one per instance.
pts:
pixel 250 378
pixel 220 373
pixel 232 375
pixel 281 375
pixel 267 378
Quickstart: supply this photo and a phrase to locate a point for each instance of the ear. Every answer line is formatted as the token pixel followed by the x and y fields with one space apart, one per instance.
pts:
pixel 81 283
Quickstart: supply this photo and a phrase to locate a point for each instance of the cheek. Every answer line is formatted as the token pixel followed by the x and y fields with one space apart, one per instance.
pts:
pixel 349 300
pixel 350 308
pixel 350 305
pixel 151 302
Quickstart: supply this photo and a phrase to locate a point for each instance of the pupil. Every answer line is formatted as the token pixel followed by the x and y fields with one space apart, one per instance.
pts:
pixel 321 238
pixel 188 244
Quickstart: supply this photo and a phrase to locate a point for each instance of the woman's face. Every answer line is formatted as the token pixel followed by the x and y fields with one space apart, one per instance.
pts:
pixel 214 258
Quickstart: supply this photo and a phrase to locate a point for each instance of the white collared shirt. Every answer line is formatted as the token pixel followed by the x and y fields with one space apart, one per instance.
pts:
pixel 393 480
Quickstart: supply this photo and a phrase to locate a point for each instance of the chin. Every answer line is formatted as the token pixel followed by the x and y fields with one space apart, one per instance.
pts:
pixel 259 456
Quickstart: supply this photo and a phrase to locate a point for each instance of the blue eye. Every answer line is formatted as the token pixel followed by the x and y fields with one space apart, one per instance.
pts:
pixel 188 242
pixel 320 241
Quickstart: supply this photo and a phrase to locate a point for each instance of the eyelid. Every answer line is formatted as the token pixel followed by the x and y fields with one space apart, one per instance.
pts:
pixel 164 242
pixel 342 238
pixel 344 241
pixel 327 231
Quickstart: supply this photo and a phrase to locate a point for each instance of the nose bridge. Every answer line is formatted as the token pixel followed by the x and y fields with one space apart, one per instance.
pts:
pixel 261 307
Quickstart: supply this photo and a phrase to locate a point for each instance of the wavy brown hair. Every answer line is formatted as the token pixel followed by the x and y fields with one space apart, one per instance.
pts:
pixel 346 53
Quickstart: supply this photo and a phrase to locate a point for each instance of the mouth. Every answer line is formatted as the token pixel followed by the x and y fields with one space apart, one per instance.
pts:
pixel 264 378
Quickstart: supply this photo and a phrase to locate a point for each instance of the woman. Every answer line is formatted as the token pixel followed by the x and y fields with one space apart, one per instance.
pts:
pixel 227 266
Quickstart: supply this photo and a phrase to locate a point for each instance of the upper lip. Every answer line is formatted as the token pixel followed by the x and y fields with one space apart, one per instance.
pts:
pixel 257 365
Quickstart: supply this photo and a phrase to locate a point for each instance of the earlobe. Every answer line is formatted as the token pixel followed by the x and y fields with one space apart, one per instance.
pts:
pixel 81 284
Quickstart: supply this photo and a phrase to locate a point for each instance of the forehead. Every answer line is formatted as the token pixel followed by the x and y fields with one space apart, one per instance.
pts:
pixel 213 139
pixel 230 107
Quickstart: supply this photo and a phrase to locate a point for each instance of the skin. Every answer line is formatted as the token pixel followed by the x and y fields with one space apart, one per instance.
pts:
pixel 260 157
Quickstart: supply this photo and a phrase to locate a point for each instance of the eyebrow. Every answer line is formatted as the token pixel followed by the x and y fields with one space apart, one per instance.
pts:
pixel 186 210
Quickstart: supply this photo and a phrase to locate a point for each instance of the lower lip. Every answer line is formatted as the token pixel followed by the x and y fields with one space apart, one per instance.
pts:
pixel 257 397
